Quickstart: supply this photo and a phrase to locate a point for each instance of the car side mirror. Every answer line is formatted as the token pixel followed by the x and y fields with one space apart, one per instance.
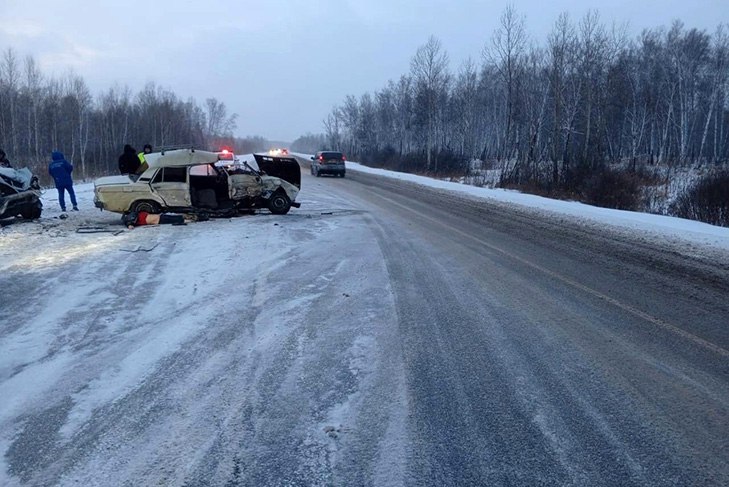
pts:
pixel 312 158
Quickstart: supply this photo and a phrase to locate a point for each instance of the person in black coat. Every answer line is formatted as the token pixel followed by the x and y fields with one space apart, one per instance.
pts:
pixel 4 162
pixel 129 161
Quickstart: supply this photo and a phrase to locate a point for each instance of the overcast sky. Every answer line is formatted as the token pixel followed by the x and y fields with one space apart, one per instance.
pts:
pixel 282 65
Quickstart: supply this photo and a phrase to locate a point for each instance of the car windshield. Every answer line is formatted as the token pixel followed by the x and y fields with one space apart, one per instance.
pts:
pixel 203 170
pixel 331 155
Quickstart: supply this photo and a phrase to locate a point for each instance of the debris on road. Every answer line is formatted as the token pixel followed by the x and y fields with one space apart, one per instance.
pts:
pixel 140 249
pixel 99 230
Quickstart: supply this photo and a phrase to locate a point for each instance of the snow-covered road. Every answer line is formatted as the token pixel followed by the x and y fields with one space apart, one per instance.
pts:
pixel 231 348
pixel 382 334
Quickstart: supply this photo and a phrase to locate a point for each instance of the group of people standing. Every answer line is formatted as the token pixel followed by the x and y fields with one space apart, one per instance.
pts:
pixel 130 162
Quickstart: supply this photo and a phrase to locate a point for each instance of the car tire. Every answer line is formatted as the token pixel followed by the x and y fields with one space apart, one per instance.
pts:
pixel 146 206
pixel 317 174
pixel 279 203
pixel 32 211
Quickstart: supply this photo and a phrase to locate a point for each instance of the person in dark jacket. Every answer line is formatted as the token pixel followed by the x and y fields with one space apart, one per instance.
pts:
pixel 4 160
pixel 60 169
pixel 129 161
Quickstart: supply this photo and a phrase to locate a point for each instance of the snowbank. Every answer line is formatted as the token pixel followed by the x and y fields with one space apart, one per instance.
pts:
pixel 657 226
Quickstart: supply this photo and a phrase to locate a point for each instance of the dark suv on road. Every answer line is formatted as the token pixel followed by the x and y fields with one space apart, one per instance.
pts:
pixel 328 162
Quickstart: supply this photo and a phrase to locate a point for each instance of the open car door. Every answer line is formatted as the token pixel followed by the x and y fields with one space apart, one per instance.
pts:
pixel 286 168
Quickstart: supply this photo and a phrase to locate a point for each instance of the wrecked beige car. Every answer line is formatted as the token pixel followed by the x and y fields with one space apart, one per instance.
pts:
pixel 195 181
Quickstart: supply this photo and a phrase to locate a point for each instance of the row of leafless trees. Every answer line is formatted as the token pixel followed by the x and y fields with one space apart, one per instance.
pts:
pixel 549 115
pixel 39 114
pixel 309 143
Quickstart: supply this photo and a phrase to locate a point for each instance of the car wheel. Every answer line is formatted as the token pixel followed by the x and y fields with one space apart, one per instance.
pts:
pixel 341 175
pixel 32 211
pixel 146 206
pixel 279 203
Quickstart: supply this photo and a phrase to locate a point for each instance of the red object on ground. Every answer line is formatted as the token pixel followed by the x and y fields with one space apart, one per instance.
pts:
pixel 142 218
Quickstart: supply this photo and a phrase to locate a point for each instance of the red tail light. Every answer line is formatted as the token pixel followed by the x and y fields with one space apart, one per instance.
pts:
pixel 343 157
pixel 321 158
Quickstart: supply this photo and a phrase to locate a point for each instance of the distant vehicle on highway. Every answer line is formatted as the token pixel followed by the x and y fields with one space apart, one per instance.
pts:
pixel 278 152
pixel 328 162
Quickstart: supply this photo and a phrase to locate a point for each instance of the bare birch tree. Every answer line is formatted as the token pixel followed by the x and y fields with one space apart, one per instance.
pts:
pixel 429 71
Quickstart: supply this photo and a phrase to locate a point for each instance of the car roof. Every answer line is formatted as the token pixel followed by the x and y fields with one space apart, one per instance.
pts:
pixel 180 158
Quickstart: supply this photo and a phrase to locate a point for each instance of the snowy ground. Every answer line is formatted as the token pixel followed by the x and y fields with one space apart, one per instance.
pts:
pixel 146 333
pixel 368 337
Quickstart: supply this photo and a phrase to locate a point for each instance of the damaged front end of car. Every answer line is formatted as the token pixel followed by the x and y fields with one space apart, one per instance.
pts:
pixel 19 194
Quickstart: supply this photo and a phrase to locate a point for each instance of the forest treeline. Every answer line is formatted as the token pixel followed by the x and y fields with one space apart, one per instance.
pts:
pixel 39 114
pixel 591 113
pixel 557 118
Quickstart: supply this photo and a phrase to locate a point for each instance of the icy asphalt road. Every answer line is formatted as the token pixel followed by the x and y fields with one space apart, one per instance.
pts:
pixel 380 335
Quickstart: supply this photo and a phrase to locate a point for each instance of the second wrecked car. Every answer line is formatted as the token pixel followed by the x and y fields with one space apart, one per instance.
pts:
pixel 19 194
pixel 189 180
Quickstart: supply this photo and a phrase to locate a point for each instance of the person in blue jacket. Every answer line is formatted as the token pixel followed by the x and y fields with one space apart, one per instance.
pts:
pixel 61 170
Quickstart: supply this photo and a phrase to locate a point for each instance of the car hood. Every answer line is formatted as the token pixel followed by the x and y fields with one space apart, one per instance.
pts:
pixel 19 179
pixel 109 180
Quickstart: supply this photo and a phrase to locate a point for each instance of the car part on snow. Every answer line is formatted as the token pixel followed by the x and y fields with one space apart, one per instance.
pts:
pixel 114 231
pixel 141 249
